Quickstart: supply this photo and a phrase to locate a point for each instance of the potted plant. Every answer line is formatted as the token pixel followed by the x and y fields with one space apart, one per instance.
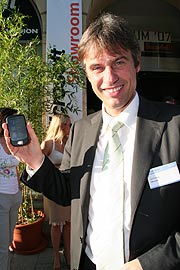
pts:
pixel 33 85
pixel 28 234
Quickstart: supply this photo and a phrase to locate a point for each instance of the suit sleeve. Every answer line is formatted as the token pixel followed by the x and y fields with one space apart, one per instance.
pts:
pixel 51 182
pixel 165 255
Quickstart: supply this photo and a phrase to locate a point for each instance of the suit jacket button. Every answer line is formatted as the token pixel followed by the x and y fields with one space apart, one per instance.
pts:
pixel 81 239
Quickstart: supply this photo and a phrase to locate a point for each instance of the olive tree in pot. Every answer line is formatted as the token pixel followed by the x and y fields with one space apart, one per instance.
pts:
pixel 32 85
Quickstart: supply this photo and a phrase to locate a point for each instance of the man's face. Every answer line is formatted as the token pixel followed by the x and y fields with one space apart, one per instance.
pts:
pixel 113 78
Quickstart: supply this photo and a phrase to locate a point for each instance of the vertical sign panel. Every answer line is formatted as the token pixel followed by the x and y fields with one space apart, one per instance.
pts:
pixel 64 30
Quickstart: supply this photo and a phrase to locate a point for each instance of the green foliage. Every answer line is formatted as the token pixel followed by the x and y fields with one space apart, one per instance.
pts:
pixel 32 85
pixel 22 71
pixel 27 82
pixel 26 213
pixel 66 77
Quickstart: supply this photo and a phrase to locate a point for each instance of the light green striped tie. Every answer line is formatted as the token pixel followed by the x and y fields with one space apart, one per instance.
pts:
pixel 113 168
pixel 113 152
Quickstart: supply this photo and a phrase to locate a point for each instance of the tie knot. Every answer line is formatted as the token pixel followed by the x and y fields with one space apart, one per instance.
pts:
pixel 116 126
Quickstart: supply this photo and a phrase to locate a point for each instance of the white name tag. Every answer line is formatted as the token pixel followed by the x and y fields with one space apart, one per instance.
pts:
pixel 163 175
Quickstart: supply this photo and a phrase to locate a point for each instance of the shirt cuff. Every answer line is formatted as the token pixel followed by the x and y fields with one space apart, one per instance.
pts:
pixel 30 171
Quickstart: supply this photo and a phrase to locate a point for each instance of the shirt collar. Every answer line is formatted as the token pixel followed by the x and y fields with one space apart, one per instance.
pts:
pixel 127 117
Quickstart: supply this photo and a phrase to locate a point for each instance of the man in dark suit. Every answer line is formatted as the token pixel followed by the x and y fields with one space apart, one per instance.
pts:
pixel 149 139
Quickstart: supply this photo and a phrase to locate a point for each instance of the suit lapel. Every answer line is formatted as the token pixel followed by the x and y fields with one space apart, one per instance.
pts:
pixel 92 130
pixel 148 135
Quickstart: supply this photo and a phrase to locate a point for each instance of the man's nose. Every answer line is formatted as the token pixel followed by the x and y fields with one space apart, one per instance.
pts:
pixel 109 77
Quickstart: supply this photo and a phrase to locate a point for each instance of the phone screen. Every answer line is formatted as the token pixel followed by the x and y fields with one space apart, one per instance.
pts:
pixel 17 130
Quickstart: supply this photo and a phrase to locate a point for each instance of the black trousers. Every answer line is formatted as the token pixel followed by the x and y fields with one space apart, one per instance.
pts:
pixel 86 263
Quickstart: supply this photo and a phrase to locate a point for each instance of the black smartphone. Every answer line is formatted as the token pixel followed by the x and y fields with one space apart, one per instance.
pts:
pixel 17 130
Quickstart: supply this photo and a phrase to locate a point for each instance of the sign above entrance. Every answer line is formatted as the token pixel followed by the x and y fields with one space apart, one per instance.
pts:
pixel 32 21
pixel 150 36
pixel 155 43
pixel 159 51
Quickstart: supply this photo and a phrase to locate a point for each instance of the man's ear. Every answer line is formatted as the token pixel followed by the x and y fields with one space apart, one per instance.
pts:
pixel 138 67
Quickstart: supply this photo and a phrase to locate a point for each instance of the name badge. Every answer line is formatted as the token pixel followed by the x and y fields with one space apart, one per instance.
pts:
pixel 163 175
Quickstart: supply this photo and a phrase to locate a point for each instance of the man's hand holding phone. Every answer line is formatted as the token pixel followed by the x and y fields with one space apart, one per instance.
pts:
pixel 30 153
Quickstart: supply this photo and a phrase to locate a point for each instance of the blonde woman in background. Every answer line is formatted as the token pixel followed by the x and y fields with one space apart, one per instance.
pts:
pixel 59 216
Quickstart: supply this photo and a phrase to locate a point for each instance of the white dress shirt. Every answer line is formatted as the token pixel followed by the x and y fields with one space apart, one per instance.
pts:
pixel 100 221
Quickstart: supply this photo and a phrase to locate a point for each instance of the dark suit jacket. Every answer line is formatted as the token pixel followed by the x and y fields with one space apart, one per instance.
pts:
pixel 155 219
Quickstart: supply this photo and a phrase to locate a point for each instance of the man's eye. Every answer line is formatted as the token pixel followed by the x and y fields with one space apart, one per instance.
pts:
pixel 96 68
pixel 119 62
